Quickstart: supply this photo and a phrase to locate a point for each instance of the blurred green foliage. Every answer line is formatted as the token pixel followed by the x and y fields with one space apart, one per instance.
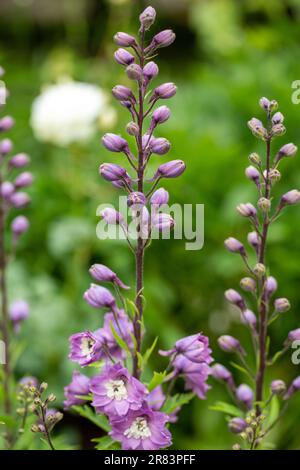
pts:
pixel 227 55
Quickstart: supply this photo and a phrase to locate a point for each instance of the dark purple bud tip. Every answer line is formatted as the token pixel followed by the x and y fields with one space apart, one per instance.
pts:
pixel 246 210
pixel 252 174
pixel 290 198
pixel 237 425
pixel 123 57
pixel 115 143
pixel 125 40
pixel 278 118
pixel 288 150
pixel 147 18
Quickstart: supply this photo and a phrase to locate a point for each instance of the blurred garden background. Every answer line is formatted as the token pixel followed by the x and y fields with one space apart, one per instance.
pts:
pixel 228 54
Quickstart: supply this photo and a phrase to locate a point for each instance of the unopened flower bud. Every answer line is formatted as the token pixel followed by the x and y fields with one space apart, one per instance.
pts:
pixel 273 106
pixel 102 273
pixel 237 425
pixel 219 372
pixel 51 397
pixel 23 180
pixel 134 72
pixel 248 318
pixel 244 394
pixel 170 169
pixel 132 129
pixel 111 216
pixel 43 387
pixel 7 189
pixel 259 270
pixel 278 387
pixel 162 39
pixel 165 91
pixel 163 222
pixel 19 160
pixel 248 284
pixel 6 123
pixel 147 18
pixel 112 172
pixel 278 118
pixel 270 285
pixel 19 200
pixel 257 128
pixel 5 146
pixel 160 115
pixel 123 93
pixel 252 174
pixel 136 198
pixel 253 240
pixel 19 225
pixel 278 130
pixel 290 198
pixel 150 71
pixel 34 428
pixel 282 305
pixel 293 388
pixel 235 298
pixel 123 57
pixel 294 335
pixel 288 150
pixel 124 40
pixel 246 210
pixel 159 197
pixel 274 175
pixel 255 159
pixel 235 246
pixel 264 103
pixel 160 146
pixel 264 204
pixel 230 344
pixel 99 297
pixel 114 143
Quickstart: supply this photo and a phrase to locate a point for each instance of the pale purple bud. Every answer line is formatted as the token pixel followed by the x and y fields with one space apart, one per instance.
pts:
pixel 293 388
pixel 102 273
pixel 290 198
pixel 160 145
pixel 170 169
pixel 248 318
pixel 162 39
pixel 244 394
pixel 18 312
pixel 235 298
pixel 278 130
pixel 288 150
pixel 235 246
pixel 111 216
pixel 278 387
pixel 19 225
pixel 165 91
pixel 294 335
pixel 123 94
pixel 237 425
pixel 257 128
pixel 150 71
pixel 136 198
pixel 248 284
pixel 123 183
pixel 282 305
pixel 159 197
pixel 115 143
pixel 163 222
pixel 246 210
pixel 5 146
pixel 112 172
pixel 252 174
pixel 99 297
pixel 6 123
pixel 7 189
pixel 132 128
pixel 19 200
pixel 219 372
pixel 124 40
pixel 147 18
pixel 230 344
pixel 134 72
pixel 23 180
pixel 278 118
pixel 264 103
pixel 160 115
pixel 270 286
pixel 253 240
pixel 19 160
pixel 123 57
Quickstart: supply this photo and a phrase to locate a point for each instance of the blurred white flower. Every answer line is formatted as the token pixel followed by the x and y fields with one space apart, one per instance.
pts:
pixel 70 112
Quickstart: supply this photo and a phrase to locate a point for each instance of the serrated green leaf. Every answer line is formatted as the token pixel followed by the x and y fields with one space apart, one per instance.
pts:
pixel 227 408
pixel 99 420
pixel 157 379
pixel 172 403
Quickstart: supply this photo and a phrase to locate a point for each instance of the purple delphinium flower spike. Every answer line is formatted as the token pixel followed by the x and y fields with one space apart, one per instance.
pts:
pixel 80 385
pixel 116 392
pixel 142 430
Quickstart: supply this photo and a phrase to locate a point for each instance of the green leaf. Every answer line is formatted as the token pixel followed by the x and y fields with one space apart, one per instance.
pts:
pixel 149 351
pixel 177 401
pixel 241 369
pixel 105 443
pixel 157 379
pixel 274 411
pixel 226 408
pixel 84 397
pixel 6 420
pixel 118 339
pixel 87 412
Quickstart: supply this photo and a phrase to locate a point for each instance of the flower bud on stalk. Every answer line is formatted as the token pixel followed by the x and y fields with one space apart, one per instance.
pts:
pixel 270 286
pixel 6 123
pixel 19 225
pixel 159 116
pixel 111 172
pixel 99 297
pixel 246 210
pixel 147 18
pixel 150 71
pixel 288 150
pixel 278 387
pixel 219 372
pixel 123 94
pixel 6 147
pixel 237 425
pixel 278 118
pixel 254 240
pixel 115 143
pixel 165 91
pixel 136 198
pixel 18 161
pixel 282 305
pixel 244 394
pixel 159 197
pixel 125 40
pixel 294 335
pixel 160 145
pixel 19 200
pixel 248 284
pixel 235 246
pixel 112 217
pixel 102 273
pixel 23 180
pixel 248 318
pixel 274 176
pixel 163 222
pixel 293 388
pixel 230 344
pixel 264 103
pixel 278 130
pixel 132 129
pixel 163 39
pixel 259 270
pixel 255 159
pixel 170 169
pixel 134 72
pixel 235 298
pixel 6 190
pixel 257 128
pixel 253 174
pixel 123 57
pixel 290 198
pixel 264 204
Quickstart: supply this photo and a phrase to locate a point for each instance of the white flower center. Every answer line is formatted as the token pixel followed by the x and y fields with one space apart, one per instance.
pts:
pixel 139 429
pixel 116 390
pixel 87 346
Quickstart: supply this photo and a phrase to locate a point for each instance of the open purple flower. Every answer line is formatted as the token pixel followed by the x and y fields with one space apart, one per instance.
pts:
pixel 195 375
pixel 142 430
pixel 86 347
pixel 194 347
pixel 80 385
pixel 116 392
